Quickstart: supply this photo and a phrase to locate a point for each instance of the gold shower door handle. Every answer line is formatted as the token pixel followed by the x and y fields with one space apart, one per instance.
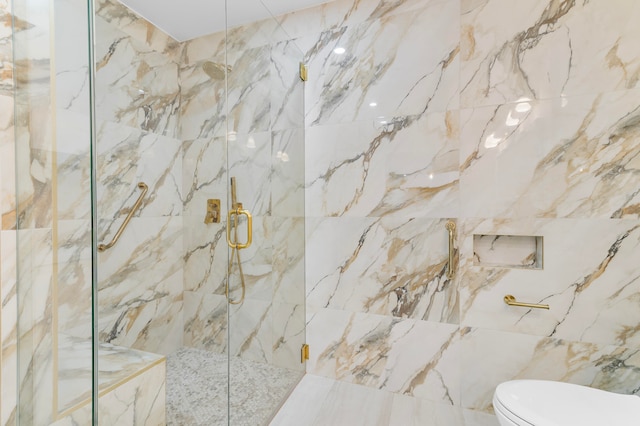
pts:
pixel 451 227
pixel 235 244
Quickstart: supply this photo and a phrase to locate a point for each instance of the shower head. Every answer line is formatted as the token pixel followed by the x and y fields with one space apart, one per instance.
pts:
pixel 234 201
pixel 215 70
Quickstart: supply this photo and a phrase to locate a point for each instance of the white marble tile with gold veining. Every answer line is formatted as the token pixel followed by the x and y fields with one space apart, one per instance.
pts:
pixel 204 48
pixel 204 175
pixel 287 89
pixel 73 130
pixel 490 357
pixel 249 91
pixel 322 401
pixel 287 175
pixel 154 325
pixel 591 292
pixel 121 370
pixel 575 156
pixel 206 255
pixel 121 17
pixel 34 332
pixel 71 62
pixel 350 404
pixel 405 167
pixel 334 14
pixel 73 281
pixel 479 418
pixel 73 198
pixel 288 260
pixel 140 401
pixel 203 106
pixel 205 321
pixel 116 365
pixel 252 330
pixel 6 27
pixel 408 410
pixel 127 156
pixel 141 285
pixel 375 268
pixel 250 163
pixel 136 86
pixel 257 34
pixel 302 404
pixel 7 155
pixel 288 335
pixel 377 63
pixel 410 357
pixel 8 331
pixel 542 50
pixel 31 40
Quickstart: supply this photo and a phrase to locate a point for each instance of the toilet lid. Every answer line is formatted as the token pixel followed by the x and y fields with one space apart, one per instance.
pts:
pixel 546 403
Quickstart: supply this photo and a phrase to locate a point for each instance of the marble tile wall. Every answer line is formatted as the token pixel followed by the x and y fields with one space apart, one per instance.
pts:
pixel 137 102
pixel 511 118
pixel 34 218
pixel 8 304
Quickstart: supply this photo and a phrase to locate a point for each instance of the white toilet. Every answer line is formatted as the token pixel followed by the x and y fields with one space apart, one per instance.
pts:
pixel 547 403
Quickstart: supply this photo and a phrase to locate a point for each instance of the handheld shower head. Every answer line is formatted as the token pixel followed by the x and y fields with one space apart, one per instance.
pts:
pixel 234 201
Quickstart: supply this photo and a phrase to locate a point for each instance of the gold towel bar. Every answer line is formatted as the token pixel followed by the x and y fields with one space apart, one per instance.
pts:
pixel 511 301
pixel 145 188
pixel 451 227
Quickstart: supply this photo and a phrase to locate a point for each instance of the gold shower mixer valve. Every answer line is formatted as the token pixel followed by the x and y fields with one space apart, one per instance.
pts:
pixel 213 211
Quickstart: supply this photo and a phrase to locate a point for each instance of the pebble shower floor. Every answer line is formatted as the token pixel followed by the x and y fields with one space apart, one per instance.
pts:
pixel 197 389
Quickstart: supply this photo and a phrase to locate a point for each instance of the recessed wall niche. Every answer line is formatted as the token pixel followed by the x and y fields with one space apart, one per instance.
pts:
pixel 508 251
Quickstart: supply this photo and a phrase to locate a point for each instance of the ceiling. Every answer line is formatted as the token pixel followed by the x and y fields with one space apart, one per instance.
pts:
pixel 187 19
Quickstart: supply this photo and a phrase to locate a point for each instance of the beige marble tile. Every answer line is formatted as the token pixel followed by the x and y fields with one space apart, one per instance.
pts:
pixel 375 269
pixel 542 50
pixel 380 65
pixel 490 357
pixel 205 321
pixel 411 357
pixel 8 310
pixel 322 401
pixel 591 292
pixel 573 156
pixel 401 166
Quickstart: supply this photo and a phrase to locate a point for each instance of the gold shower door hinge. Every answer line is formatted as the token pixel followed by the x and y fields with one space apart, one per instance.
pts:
pixel 303 71
pixel 304 353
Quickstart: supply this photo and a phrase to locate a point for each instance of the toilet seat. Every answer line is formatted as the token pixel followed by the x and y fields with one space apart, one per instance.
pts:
pixel 506 415
pixel 547 403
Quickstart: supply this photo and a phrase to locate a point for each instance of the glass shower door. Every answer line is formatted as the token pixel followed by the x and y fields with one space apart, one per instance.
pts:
pixel 265 156
pixel 49 310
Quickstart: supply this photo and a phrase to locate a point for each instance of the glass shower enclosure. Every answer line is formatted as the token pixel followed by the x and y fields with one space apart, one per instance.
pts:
pixel 159 218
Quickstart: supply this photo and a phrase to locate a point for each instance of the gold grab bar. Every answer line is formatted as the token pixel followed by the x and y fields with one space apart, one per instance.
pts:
pixel 451 227
pixel 145 188
pixel 511 301
pixel 239 211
